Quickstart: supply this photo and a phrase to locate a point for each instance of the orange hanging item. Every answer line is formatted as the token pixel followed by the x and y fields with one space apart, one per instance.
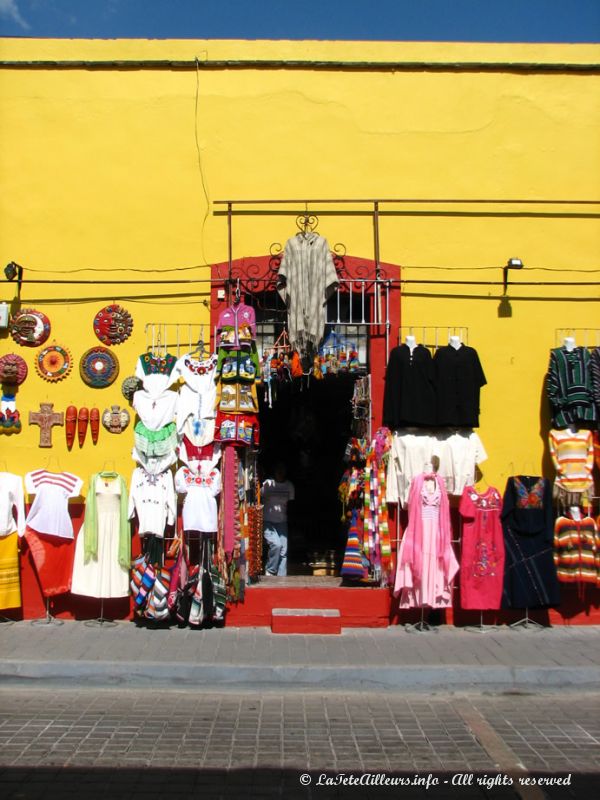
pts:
pixel 82 424
pixel 95 424
pixel 70 425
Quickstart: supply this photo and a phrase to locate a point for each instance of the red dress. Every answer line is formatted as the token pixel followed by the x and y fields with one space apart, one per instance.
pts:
pixel 482 552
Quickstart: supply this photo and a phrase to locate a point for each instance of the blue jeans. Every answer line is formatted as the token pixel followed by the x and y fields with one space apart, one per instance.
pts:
pixel 276 534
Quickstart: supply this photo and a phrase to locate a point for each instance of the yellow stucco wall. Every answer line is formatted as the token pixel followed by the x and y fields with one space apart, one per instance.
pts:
pixel 100 171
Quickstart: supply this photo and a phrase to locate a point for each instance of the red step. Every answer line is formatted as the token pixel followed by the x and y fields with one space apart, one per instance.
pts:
pixel 306 620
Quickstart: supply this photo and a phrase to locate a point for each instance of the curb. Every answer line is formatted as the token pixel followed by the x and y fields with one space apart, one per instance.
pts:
pixel 132 674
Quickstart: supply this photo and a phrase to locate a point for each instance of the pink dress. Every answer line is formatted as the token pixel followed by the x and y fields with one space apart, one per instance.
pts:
pixel 482 556
pixel 426 560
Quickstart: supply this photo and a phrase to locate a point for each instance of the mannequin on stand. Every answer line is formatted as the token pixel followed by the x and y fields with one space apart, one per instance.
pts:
pixel 455 342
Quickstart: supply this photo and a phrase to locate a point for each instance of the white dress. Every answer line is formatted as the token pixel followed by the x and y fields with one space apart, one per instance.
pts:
pixel 102 576
pixel 198 394
pixel 49 512
pixel 153 498
pixel 200 488
pixel 11 501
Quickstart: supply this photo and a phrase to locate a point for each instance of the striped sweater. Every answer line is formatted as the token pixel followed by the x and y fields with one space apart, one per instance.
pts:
pixel 573 458
pixel 577 550
pixel 569 387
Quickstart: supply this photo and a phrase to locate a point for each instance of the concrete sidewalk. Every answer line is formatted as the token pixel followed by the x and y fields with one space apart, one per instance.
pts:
pixel 449 659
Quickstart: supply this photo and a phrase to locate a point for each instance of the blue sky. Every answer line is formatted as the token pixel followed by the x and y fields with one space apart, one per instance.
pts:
pixel 409 20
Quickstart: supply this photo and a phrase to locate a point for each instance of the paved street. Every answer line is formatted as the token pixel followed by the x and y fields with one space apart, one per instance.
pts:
pixel 128 743
pixel 124 712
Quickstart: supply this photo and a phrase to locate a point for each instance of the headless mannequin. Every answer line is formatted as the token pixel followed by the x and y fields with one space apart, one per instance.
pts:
pixel 575 513
pixel 569 343
pixel 411 343
pixel 455 342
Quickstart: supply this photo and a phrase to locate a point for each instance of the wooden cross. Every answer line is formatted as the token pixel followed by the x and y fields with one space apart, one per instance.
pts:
pixel 46 418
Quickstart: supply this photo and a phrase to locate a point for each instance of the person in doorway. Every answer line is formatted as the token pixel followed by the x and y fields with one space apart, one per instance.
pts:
pixel 277 493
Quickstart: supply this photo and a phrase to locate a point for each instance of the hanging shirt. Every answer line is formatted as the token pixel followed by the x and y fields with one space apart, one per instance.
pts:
pixel 236 326
pixel 155 411
pixel 572 454
pixel 458 379
pixel 310 277
pixel 49 512
pixel 157 373
pixel 458 453
pixel 152 498
pixel 198 394
pixel 12 509
pixel 409 397
pixel 577 550
pixel 569 385
pixel 200 488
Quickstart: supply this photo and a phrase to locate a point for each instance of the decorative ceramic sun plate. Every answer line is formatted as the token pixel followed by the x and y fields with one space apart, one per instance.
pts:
pixel 53 363
pixel 29 328
pixel 13 369
pixel 113 324
pixel 130 386
pixel 98 367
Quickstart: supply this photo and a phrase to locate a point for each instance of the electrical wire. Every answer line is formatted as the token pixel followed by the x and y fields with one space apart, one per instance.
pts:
pixel 200 166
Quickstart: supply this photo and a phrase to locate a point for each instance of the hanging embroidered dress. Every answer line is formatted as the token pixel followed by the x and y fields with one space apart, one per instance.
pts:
pixel 198 393
pixel 482 550
pixel 12 526
pixel 528 524
pixel 103 549
pixel 426 560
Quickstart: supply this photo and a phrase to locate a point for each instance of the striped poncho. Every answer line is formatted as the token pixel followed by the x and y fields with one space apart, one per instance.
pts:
pixel 569 387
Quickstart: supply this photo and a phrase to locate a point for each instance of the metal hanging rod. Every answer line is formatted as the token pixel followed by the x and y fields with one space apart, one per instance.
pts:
pixel 407 200
pixel 301 64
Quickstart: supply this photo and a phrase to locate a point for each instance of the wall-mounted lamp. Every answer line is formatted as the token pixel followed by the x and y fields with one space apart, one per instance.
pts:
pixel 13 270
pixel 512 263
pixel 505 309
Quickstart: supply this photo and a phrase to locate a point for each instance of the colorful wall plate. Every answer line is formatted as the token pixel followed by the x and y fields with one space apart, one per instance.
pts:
pixel 98 367
pixel 29 328
pixel 113 324
pixel 13 369
pixel 53 363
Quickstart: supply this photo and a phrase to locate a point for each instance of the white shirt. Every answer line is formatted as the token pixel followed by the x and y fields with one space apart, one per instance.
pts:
pixel 49 512
pixel 153 498
pixel 276 495
pixel 200 488
pixel 154 465
pixel 459 452
pixel 410 452
pixel 11 501
pixel 155 411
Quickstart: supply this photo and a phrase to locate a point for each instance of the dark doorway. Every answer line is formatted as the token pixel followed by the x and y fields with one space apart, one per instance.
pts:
pixel 308 428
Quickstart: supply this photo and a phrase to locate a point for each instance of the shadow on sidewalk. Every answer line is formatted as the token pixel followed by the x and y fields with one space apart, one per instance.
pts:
pixel 91 783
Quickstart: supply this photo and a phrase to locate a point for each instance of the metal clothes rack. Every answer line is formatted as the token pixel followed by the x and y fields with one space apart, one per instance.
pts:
pixel 584 337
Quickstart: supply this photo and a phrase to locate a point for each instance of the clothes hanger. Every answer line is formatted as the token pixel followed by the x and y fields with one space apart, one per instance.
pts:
pixel 49 461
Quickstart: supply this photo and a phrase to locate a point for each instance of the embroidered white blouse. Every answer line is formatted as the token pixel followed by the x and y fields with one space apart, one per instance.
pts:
pixel 153 498
pixel 155 411
pixel 200 489
pixel 49 512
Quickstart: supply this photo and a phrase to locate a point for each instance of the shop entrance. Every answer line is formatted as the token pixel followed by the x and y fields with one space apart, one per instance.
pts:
pixel 306 422
pixel 307 428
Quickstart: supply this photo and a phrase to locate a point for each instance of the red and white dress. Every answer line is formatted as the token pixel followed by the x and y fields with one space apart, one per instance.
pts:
pixel 49 532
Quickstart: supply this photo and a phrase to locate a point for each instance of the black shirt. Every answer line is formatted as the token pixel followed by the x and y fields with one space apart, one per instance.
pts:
pixel 458 379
